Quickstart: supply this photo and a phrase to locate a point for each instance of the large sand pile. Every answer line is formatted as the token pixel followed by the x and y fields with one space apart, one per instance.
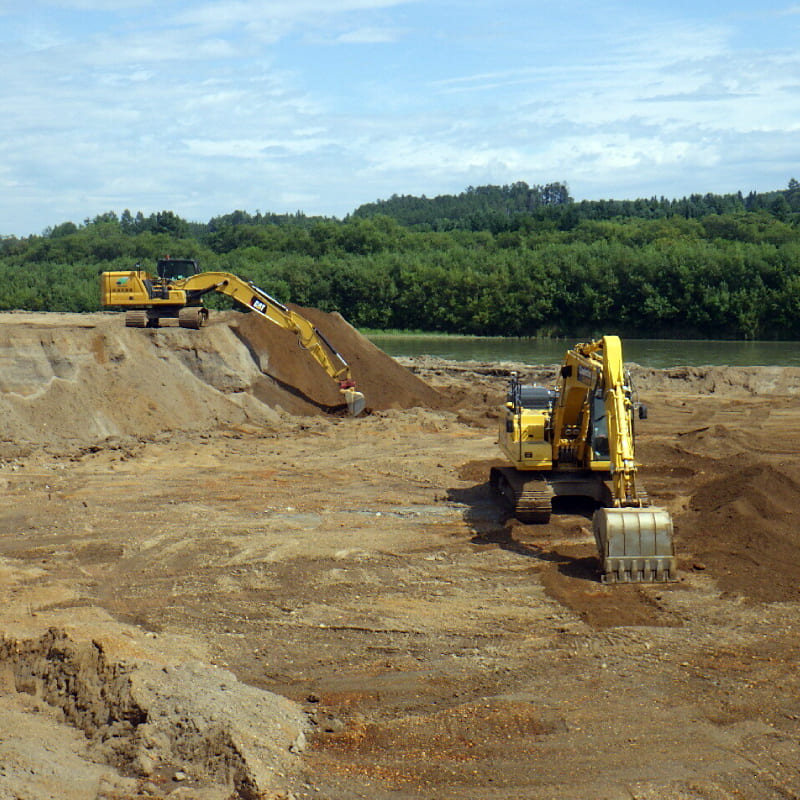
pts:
pixel 384 383
pixel 79 379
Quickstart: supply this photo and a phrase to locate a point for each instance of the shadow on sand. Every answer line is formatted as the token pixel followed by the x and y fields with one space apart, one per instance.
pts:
pixel 493 523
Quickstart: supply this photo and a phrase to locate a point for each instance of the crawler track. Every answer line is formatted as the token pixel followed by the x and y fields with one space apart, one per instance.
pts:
pixel 529 496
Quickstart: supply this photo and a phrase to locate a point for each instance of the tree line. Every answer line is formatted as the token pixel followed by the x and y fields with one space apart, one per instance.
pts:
pixel 497 260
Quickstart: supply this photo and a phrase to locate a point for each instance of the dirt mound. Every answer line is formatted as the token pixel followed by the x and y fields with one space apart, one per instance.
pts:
pixel 73 380
pixel 138 714
pixel 715 440
pixel 90 379
pixel 742 525
pixel 384 383
pixel 720 380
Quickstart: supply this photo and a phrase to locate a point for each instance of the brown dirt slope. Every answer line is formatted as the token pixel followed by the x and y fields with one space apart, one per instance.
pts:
pixel 384 383
pixel 89 378
pixel 720 380
pixel 742 522
pixel 726 467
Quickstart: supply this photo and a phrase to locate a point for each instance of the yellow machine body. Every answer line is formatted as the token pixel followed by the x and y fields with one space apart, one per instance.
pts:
pixel 577 439
pixel 177 292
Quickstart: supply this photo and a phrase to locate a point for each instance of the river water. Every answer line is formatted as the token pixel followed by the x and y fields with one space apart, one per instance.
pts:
pixel 646 352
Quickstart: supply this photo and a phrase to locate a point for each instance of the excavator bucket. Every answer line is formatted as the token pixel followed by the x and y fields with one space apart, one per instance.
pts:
pixel 635 545
pixel 355 401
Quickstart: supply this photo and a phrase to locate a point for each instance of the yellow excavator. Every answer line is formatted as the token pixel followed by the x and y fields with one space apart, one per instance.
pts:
pixel 578 440
pixel 176 291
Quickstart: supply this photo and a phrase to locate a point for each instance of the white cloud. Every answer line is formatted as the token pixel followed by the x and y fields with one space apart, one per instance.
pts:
pixel 250 149
pixel 368 36
pixel 96 5
pixel 255 104
pixel 420 154
pixel 257 13
pixel 298 200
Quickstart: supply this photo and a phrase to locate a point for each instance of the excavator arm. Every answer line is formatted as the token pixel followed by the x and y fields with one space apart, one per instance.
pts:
pixel 619 412
pixel 593 416
pixel 634 538
pixel 579 428
pixel 310 338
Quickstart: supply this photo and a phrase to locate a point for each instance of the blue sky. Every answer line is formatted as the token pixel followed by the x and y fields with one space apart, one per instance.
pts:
pixel 203 108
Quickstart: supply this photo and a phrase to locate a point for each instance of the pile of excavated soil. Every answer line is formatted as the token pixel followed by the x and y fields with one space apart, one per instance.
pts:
pixel 138 709
pixel 741 525
pixel 75 380
pixel 384 383
pixel 722 381
pixel 719 380
pixel 79 379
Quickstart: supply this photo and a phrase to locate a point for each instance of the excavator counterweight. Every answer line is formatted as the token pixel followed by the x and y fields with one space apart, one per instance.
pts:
pixel 577 439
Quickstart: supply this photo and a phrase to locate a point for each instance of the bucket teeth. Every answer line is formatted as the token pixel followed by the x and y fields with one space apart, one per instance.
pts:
pixel 624 571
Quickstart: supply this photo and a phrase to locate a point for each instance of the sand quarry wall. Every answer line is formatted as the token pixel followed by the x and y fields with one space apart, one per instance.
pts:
pixel 69 378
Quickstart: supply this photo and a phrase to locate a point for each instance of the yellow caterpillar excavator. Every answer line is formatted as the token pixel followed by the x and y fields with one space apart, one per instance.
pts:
pixel 176 291
pixel 578 440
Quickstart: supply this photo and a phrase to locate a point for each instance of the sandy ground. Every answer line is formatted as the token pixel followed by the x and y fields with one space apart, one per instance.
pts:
pixel 211 589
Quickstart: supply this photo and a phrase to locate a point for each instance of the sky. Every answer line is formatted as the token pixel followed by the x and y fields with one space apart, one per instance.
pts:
pixel 204 108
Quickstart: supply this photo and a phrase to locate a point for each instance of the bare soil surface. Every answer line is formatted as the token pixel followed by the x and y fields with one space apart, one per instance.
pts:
pixel 215 584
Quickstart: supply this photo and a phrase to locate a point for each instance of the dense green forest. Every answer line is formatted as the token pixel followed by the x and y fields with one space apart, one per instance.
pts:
pixel 512 260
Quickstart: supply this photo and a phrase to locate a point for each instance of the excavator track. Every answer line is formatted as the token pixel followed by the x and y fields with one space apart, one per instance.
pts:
pixel 193 317
pixel 136 318
pixel 530 497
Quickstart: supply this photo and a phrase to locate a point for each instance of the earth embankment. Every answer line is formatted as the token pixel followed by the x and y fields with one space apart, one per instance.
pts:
pixel 79 379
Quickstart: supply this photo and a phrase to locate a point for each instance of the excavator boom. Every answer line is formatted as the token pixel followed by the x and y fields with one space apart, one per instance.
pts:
pixel 310 338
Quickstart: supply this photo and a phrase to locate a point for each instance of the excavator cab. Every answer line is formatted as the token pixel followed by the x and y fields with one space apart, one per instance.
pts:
pixel 599 430
pixel 176 269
